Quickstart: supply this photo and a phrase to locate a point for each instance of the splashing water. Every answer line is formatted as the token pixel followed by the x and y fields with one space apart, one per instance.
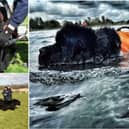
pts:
pixel 104 91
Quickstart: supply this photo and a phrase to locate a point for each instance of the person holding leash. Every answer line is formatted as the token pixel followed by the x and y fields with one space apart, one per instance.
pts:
pixel 7 94
pixel 17 17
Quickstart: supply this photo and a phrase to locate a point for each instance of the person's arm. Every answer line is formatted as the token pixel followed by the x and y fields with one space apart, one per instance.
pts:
pixel 17 18
pixel 19 14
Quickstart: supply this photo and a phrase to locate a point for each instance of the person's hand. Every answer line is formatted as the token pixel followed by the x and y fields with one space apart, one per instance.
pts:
pixel 5 27
pixel 10 29
pixel 6 35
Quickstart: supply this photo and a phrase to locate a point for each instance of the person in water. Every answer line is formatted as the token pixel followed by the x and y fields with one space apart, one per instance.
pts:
pixel 7 94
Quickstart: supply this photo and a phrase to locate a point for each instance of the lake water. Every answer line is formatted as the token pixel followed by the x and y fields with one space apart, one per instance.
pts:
pixel 11 79
pixel 104 91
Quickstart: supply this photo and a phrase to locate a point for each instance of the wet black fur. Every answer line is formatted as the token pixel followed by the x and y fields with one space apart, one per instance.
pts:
pixel 9 105
pixel 79 44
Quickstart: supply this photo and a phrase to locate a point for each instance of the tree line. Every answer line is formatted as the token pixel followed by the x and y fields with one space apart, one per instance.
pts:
pixel 38 23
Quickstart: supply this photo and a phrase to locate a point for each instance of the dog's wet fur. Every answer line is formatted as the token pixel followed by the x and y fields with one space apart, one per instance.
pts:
pixel 76 44
pixel 9 105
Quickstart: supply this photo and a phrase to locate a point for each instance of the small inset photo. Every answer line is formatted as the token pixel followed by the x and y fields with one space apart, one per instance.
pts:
pixel 14 101
pixel 13 36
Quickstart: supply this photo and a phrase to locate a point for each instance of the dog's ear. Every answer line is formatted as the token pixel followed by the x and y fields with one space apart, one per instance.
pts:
pixel 108 42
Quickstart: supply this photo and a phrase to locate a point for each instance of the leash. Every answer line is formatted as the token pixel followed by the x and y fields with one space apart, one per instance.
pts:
pixel 13 41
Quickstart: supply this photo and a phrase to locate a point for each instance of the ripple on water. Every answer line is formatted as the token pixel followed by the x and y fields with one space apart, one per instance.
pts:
pixel 105 97
pixel 105 93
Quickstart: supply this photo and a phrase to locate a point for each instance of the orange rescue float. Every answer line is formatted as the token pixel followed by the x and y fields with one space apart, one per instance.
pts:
pixel 124 37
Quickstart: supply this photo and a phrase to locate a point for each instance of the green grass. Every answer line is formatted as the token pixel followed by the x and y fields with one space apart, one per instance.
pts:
pixel 17 119
pixel 20 61
pixel 25 21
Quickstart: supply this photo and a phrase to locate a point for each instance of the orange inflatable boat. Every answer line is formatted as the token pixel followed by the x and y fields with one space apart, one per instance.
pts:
pixel 124 37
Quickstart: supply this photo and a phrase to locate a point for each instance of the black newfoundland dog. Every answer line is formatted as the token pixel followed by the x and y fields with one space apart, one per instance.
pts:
pixel 78 47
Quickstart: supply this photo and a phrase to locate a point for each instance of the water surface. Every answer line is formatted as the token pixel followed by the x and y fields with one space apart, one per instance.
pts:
pixel 105 92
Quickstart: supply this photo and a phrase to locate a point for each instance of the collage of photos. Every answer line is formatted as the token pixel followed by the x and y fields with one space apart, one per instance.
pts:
pixel 13 101
pixel 64 64
pixel 14 70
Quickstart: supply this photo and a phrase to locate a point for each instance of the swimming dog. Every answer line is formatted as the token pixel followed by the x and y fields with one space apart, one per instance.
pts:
pixel 76 45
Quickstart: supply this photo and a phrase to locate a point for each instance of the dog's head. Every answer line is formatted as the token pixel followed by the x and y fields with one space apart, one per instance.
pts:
pixel 108 43
pixel 75 41
pixel 79 44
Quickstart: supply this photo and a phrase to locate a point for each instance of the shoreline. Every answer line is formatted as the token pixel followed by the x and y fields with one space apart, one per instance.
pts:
pixel 16 88
pixel 21 90
pixel 25 90
pixel 93 26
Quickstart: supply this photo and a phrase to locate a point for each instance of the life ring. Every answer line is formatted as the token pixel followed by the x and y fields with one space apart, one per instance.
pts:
pixel 124 37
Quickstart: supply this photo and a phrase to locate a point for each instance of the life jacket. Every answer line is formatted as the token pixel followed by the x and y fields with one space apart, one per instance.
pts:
pixel 124 37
